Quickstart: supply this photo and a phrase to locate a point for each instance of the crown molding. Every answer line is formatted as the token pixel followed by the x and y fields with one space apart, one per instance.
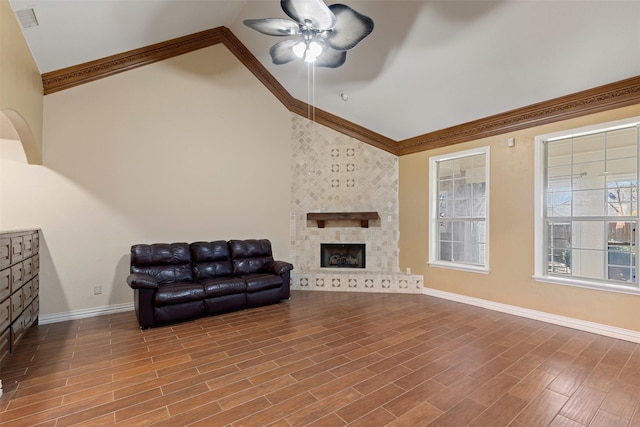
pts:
pixel 76 75
pixel 602 98
pixel 69 77
pixel 607 97
pixel 302 108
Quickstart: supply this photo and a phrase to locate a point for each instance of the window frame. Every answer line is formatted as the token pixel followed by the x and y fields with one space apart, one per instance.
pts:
pixel 540 245
pixel 434 235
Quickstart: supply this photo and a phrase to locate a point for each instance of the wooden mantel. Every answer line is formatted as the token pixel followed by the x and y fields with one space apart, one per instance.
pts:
pixel 363 217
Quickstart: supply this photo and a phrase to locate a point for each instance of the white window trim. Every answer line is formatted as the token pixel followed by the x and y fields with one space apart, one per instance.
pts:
pixel 433 210
pixel 539 274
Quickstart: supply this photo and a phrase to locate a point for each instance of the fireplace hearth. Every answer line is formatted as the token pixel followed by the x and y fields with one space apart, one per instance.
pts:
pixel 343 255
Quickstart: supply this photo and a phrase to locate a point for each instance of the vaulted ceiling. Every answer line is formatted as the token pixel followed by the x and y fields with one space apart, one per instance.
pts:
pixel 428 66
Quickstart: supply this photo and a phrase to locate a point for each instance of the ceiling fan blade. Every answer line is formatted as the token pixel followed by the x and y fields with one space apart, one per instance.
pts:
pixel 351 27
pixel 273 26
pixel 282 52
pixel 315 11
pixel 330 58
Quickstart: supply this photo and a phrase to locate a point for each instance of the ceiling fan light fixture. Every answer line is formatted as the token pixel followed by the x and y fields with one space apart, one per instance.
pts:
pixel 313 51
pixel 324 32
pixel 299 49
pixel 309 51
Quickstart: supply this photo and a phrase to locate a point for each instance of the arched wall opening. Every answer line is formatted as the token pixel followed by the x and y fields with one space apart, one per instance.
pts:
pixel 14 127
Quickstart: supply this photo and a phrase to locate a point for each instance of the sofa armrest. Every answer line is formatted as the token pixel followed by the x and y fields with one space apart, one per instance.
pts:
pixel 142 281
pixel 278 267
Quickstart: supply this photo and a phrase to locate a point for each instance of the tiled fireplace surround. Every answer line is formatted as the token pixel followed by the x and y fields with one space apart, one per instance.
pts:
pixel 335 173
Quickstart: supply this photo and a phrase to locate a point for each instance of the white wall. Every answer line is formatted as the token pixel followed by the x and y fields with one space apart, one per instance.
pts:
pixel 192 148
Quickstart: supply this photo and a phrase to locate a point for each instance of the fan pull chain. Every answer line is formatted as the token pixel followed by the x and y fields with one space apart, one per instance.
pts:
pixel 311 92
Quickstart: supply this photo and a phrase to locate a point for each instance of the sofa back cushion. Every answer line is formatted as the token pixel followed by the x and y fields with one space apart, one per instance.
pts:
pixel 166 262
pixel 211 259
pixel 250 256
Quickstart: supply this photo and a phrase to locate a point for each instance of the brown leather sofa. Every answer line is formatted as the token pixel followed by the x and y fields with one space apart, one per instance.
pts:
pixel 179 281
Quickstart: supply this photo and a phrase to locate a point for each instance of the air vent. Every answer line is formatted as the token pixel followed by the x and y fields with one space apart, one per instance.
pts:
pixel 27 18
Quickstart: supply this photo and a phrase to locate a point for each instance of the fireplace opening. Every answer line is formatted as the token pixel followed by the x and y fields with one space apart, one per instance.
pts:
pixel 342 255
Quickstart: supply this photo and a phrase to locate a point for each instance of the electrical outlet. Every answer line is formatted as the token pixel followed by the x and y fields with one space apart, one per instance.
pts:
pixel 97 289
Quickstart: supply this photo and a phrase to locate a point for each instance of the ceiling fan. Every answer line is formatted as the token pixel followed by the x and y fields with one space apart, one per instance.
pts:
pixel 321 34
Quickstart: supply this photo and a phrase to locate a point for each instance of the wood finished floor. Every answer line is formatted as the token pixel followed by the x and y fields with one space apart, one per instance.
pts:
pixel 323 359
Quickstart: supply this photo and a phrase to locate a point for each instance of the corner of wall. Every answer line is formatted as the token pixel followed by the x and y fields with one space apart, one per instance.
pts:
pixel 21 92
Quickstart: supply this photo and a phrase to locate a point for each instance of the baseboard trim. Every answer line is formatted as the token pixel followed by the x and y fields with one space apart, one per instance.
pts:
pixel 583 325
pixel 44 319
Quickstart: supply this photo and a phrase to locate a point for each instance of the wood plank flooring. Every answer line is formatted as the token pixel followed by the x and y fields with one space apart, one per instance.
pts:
pixel 323 359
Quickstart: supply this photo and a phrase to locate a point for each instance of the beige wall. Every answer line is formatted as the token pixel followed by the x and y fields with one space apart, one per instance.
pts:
pixel 191 148
pixel 20 87
pixel 511 236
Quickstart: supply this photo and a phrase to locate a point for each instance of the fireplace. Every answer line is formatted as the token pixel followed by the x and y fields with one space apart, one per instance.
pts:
pixel 342 255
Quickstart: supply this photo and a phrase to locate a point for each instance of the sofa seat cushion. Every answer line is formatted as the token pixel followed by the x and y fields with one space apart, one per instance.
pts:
pixel 180 292
pixel 224 286
pixel 260 282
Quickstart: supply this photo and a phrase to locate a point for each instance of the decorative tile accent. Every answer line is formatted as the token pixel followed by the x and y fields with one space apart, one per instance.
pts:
pixel 358 282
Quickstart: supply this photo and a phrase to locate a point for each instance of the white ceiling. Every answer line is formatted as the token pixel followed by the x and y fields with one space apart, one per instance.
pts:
pixel 428 64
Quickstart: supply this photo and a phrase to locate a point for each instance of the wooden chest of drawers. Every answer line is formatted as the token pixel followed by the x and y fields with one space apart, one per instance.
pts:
pixel 19 286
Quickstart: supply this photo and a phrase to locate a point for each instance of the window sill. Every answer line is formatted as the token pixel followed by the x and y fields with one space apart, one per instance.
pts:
pixel 461 267
pixel 578 283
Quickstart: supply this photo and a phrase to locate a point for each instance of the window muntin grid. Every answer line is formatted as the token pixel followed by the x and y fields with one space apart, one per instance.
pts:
pixel 591 206
pixel 459 236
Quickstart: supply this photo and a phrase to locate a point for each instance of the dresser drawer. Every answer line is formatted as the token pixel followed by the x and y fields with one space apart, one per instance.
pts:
pixel 17 249
pixel 5 314
pixel 17 277
pixel 27 245
pixel 36 242
pixel 27 293
pixel 5 283
pixel 17 305
pixel 5 252
pixel 36 264
pixel 27 270
pixel 35 285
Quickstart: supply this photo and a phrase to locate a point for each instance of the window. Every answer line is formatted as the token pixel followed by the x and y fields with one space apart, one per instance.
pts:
pixel 458 230
pixel 587 206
